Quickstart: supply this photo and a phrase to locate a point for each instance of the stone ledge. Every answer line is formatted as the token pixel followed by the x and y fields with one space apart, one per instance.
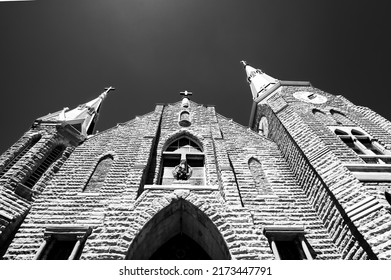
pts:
pixel 6 216
pixel 283 230
pixel 363 208
pixel 181 187
pixel 371 172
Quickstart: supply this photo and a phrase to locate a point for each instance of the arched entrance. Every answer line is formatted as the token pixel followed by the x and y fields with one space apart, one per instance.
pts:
pixel 179 231
pixel 180 247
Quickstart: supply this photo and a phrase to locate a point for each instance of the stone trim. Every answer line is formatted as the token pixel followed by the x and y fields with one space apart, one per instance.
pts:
pixel 283 230
pixel 363 208
pixel 371 172
pixel 76 230
pixel 181 187
pixel 6 216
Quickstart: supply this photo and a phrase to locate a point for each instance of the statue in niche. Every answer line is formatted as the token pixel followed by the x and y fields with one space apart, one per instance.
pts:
pixel 182 171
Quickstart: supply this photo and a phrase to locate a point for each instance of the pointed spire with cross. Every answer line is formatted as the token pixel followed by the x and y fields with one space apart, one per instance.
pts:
pixel 258 80
pixel 244 62
pixel 84 116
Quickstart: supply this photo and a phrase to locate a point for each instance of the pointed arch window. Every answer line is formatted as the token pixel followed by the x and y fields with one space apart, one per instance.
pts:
pixel 322 117
pixel 44 166
pixel 95 182
pixel 363 144
pixel 340 118
pixel 21 153
pixel 183 163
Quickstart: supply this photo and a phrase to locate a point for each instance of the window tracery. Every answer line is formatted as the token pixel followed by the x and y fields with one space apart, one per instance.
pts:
pixel 367 148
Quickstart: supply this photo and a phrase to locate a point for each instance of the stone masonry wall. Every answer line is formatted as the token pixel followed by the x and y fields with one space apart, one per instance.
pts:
pixel 316 158
pixel 16 200
pixel 121 212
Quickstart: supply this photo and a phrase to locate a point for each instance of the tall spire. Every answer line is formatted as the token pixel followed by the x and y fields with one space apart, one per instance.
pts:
pixel 83 118
pixel 258 80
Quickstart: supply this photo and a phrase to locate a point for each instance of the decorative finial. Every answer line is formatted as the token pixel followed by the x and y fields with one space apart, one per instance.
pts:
pixel 186 93
pixel 243 62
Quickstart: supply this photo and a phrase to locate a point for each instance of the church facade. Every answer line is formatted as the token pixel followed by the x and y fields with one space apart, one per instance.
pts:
pixel 309 178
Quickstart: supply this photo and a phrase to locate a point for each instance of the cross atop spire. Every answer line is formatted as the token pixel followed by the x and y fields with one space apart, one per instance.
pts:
pixel 244 62
pixel 107 89
pixel 83 118
pixel 186 93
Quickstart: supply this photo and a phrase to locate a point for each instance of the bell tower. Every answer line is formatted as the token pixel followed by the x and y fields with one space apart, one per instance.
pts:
pixel 338 151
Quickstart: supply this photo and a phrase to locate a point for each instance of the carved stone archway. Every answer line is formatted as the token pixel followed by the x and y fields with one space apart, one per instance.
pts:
pixel 179 231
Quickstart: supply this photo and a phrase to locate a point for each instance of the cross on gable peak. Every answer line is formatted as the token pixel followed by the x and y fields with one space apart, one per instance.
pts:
pixel 186 93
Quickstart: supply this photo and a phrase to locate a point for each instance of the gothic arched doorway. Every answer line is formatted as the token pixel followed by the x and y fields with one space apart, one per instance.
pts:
pixel 179 231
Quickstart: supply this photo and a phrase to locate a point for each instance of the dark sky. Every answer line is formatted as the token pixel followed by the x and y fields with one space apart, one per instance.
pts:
pixel 56 54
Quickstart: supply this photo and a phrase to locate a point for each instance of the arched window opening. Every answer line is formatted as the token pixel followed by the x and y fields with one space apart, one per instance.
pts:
pixel 24 150
pixel 364 145
pixel 357 133
pixel 44 166
pixel 348 140
pixel 340 132
pixel 366 141
pixel 340 118
pixel 316 112
pixel 321 116
pixel 183 163
pixel 95 182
